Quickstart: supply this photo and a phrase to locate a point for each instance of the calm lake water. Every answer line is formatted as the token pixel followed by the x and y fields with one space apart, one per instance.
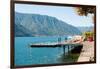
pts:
pixel 24 55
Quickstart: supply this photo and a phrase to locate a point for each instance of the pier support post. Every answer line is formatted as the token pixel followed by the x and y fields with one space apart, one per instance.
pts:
pixel 68 49
pixel 64 50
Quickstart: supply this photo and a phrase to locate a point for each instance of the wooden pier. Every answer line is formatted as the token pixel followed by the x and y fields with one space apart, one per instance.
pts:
pixel 63 45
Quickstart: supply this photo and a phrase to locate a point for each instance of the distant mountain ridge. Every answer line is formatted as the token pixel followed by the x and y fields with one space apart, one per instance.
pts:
pixel 85 29
pixel 41 25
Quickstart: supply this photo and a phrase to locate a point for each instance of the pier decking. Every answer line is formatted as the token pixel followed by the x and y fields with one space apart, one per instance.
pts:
pixel 54 44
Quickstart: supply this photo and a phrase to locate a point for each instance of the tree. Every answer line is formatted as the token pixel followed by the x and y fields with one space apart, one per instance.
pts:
pixel 85 10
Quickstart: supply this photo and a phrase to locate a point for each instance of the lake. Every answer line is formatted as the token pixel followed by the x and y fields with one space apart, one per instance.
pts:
pixel 25 55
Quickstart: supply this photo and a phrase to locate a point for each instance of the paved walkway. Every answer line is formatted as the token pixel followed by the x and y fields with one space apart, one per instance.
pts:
pixel 87 53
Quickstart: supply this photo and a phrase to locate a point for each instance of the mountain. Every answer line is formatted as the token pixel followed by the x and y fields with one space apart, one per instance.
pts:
pixel 85 29
pixel 40 25
pixel 21 31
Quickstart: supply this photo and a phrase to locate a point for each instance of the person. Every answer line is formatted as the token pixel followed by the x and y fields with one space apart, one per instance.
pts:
pixel 65 39
pixel 59 39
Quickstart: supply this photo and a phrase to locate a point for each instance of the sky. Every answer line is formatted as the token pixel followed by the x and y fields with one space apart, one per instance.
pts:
pixel 66 14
